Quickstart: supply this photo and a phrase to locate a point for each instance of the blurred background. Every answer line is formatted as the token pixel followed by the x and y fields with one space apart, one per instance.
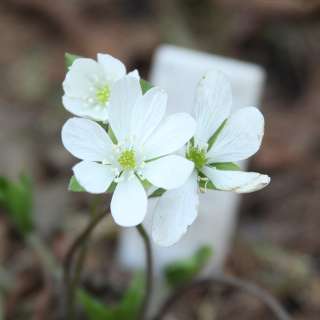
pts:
pixel 277 240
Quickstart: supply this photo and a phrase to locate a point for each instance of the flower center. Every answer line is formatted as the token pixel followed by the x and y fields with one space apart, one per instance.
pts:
pixel 197 155
pixel 127 160
pixel 103 94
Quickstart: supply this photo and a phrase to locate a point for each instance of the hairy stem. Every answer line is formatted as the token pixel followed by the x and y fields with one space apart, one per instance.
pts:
pixel 149 273
pixel 278 311
pixel 69 283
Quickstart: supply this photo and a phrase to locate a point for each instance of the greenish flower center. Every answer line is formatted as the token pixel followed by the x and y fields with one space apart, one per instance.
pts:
pixel 127 160
pixel 198 156
pixel 103 94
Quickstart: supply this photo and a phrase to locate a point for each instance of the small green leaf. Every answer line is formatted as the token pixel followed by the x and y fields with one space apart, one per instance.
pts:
pixel 94 309
pixel 183 271
pixel 112 135
pixel 145 85
pixel 75 186
pixel 213 139
pixel 69 59
pixel 126 309
pixel 17 199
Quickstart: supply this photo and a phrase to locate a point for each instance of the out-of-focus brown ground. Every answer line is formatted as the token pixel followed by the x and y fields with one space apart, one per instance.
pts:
pixel 278 242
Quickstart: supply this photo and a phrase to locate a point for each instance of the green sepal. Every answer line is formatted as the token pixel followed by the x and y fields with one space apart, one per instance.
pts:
pixel 228 166
pixel 17 200
pixel 214 137
pixel 75 186
pixel 145 85
pixel 69 59
pixel 183 271
pixel 157 193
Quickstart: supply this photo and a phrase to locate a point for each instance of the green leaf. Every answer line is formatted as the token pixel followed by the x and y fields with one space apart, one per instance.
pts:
pixel 183 271
pixel 17 199
pixel 145 85
pixel 132 299
pixel 214 137
pixel 75 186
pixel 126 309
pixel 94 309
pixel 112 135
pixel 69 59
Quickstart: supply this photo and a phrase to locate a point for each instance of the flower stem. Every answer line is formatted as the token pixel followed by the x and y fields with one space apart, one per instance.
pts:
pixel 149 274
pixel 69 282
pixel 278 311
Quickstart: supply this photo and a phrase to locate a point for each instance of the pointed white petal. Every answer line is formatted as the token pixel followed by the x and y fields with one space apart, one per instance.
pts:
pixel 129 203
pixel 212 104
pixel 240 138
pixel 237 181
pixel 168 172
pixel 93 177
pixel 113 68
pixel 147 113
pixel 80 76
pixel 176 210
pixel 172 134
pixel 86 140
pixel 134 74
pixel 124 96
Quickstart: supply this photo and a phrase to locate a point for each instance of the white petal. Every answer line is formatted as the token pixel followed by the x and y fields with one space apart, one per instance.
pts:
pixel 80 76
pixel 176 130
pixel 237 181
pixel 79 108
pixel 93 177
pixel 134 74
pixel 240 138
pixel 113 68
pixel 169 172
pixel 212 104
pixel 86 140
pixel 124 95
pixel 148 113
pixel 129 202
pixel 176 210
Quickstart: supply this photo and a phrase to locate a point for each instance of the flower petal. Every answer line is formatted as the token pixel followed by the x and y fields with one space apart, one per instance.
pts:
pixel 93 177
pixel 80 76
pixel 213 103
pixel 86 140
pixel 168 172
pixel 129 202
pixel 237 181
pixel 148 113
pixel 134 73
pixel 240 138
pixel 176 130
pixel 124 95
pixel 113 68
pixel 176 210
pixel 80 108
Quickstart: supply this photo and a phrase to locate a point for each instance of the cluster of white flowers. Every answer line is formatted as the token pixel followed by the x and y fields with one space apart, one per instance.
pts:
pixel 126 144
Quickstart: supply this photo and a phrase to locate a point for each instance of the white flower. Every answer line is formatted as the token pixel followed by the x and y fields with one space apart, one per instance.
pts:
pixel 88 85
pixel 143 148
pixel 214 146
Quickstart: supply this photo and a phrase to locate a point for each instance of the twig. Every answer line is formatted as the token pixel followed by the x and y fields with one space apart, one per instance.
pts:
pixel 149 274
pixel 279 312
pixel 70 287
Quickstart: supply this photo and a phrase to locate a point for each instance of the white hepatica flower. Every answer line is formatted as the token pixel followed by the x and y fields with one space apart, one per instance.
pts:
pixel 217 142
pixel 88 85
pixel 143 150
